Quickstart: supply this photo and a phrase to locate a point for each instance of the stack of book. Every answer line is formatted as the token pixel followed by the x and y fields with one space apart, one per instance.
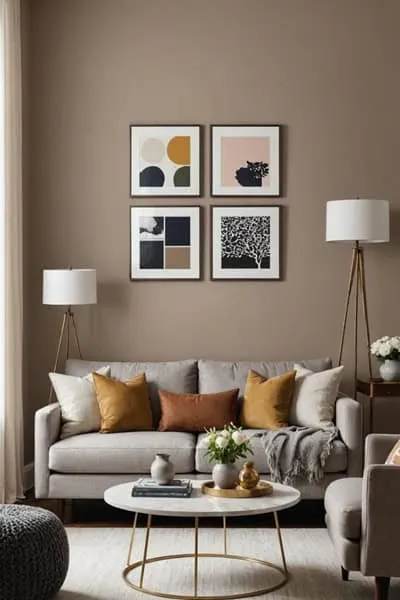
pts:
pixel 179 488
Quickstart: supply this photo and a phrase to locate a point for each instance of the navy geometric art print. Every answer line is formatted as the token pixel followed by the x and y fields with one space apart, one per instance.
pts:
pixel 165 242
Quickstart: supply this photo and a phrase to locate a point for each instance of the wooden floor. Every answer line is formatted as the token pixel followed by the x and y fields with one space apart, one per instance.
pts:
pixel 81 513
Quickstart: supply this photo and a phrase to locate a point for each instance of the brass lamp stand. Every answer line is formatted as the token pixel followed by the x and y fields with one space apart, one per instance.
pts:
pixel 68 325
pixel 359 220
pixel 357 277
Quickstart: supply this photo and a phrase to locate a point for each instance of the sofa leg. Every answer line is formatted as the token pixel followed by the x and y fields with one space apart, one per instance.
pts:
pixel 67 512
pixel 345 574
pixel 60 509
pixel 382 588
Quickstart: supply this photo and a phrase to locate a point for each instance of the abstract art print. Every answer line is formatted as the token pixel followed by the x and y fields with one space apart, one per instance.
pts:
pixel 165 160
pixel 165 242
pixel 245 242
pixel 245 160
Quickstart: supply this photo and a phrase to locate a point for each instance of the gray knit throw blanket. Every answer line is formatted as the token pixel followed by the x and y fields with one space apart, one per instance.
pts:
pixel 298 452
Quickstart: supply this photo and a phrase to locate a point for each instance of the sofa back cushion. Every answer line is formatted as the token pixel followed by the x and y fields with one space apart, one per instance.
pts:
pixel 217 376
pixel 174 376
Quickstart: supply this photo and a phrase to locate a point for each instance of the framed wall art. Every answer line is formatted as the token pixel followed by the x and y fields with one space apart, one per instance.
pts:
pixel 245 160
pixel 165 242
pixel 245 242
pixel 165 160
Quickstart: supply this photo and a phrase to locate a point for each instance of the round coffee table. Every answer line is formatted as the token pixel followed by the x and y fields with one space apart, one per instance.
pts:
pixel 200 505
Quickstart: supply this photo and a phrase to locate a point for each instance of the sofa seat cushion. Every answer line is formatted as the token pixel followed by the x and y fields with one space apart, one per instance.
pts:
pixel 336 463
pixel 343 506
pixel 127 452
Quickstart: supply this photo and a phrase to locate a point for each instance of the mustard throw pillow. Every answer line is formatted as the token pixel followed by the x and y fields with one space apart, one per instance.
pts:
pixel 124 406
pixel 266 403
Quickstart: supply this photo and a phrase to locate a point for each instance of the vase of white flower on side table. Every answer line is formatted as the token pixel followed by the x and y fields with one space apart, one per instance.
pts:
pixel 387 351
pixel 224 448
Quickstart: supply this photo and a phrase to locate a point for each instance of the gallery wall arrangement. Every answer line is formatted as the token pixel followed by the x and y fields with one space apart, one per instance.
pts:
pixel 166 161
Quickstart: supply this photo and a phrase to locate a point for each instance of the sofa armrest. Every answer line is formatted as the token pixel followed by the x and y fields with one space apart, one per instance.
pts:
pixel 47 430
pixel 349 423
pixel 378 446
pixel 380 521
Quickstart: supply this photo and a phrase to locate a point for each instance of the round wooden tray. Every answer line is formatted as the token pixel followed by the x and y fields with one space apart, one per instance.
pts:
pixel 263 488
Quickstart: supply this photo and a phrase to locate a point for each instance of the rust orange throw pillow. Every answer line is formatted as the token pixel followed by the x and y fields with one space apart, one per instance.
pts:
pixel 123 405
pixel 267 402
pixel 194 412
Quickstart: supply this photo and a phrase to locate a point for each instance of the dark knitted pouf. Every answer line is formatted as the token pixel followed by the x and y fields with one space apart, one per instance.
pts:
pixel 34 553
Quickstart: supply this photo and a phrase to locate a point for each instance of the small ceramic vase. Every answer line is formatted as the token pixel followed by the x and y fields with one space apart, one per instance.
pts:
pixel 162 469
pixel 390 370
pixel 248 476
pixel 225 476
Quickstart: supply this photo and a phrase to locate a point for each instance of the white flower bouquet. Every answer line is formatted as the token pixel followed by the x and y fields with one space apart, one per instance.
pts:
pixel 386 348
pixel 227 445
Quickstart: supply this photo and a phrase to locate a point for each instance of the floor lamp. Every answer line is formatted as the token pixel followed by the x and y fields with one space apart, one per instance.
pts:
pixel 68 287
pixel 359 221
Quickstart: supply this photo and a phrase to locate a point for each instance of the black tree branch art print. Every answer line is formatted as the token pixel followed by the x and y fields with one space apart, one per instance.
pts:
pixel 253 174
pixel 245 242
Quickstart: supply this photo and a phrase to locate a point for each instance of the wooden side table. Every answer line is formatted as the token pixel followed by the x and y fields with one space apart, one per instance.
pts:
pixel 374 388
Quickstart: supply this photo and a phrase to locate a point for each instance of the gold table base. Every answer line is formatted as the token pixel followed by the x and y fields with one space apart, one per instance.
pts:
pixel 196 555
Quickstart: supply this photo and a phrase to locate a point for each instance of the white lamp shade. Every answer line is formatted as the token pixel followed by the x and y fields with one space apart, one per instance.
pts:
pixel 69 286
pixel 357 220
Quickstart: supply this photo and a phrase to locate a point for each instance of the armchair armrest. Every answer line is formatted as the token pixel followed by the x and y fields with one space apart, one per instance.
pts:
pixel 380 521
pixel 349 423
pixel 378 446
pixel 47 429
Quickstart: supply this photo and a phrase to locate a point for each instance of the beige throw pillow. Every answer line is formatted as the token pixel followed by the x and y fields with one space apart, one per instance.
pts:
pixel 394 456
pixel 314 397
pixel 77 398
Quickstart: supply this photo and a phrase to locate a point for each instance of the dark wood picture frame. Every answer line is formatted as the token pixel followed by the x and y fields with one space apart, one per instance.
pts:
pixel 241 191
pixel 160 191
pixel 198 274
pixel 236 208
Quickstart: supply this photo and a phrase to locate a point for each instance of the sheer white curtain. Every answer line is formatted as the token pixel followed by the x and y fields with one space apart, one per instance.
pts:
pixel 11 410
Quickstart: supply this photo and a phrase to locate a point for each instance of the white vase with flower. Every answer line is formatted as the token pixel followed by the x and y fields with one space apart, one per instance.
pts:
pixel 224 448
pixel 387 350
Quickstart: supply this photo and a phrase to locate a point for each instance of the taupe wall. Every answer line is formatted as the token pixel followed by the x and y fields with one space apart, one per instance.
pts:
pixel 328 71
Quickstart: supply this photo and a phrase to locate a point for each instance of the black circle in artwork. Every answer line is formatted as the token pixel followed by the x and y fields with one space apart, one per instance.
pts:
pixel 151 177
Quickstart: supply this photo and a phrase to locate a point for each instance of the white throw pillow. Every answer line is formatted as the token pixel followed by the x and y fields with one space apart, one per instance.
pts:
pixel 77 398
pixel 314 398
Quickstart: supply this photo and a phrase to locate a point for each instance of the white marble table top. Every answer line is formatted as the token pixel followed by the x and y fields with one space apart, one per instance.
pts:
pixel 200 505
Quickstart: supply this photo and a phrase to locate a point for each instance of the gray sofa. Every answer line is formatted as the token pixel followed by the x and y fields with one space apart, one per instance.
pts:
pixel 84 466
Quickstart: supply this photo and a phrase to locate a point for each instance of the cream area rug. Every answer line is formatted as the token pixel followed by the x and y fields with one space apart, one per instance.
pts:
pixel 98 556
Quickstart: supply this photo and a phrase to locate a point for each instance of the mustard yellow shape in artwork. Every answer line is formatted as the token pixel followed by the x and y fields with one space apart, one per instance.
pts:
pixel 178 149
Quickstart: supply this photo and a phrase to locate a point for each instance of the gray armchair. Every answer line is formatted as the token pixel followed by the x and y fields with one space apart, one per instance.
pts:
pixel 363 517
